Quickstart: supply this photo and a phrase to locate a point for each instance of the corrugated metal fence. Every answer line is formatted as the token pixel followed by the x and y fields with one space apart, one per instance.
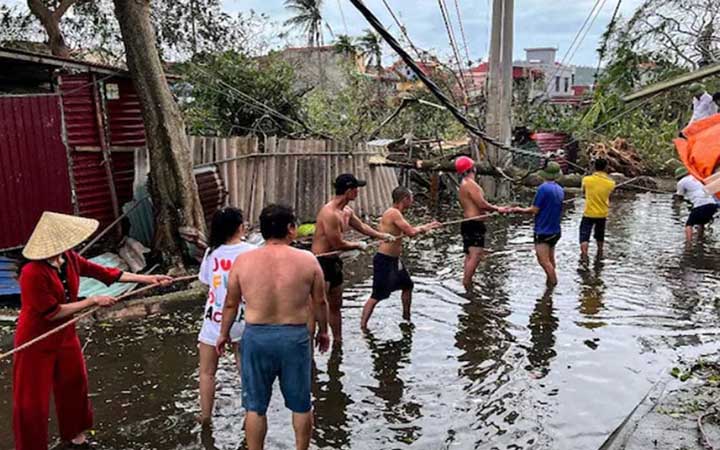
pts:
pixel 34 174
pixel 299 173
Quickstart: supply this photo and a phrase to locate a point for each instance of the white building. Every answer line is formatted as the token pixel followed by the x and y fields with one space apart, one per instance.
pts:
pixel 558 79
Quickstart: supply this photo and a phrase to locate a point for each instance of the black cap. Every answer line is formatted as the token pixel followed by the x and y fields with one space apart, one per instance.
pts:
pixel 347 181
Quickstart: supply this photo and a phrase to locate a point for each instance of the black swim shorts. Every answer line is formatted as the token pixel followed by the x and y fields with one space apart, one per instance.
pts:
pixel 332 267
pixel 702 215
pixel 549 239
pixel 586 227
pixel 389 275
pixel 473 234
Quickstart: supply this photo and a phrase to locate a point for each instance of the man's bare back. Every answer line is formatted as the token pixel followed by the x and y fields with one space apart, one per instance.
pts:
pixel 280 295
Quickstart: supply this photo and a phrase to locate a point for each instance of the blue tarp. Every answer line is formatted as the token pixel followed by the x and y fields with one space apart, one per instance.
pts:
pixel 8 276
pixel 90 287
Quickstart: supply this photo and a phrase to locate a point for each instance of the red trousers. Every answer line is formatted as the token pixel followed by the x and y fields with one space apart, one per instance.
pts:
pixel 37 373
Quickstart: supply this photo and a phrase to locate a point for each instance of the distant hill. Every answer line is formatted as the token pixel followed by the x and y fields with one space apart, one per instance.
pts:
pixel 585 75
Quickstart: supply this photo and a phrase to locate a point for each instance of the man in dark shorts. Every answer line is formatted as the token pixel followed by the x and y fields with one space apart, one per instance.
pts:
pixel 547 208
pixel 597 188
pixel 472 200
pixel 276 342
pixel 332 220
pixel 704 205
pixel 389 272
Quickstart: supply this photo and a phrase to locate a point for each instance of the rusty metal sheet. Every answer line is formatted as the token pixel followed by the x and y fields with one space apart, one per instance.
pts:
pixel 33 165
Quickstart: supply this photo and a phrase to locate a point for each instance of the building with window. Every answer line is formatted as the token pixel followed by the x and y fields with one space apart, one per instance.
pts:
pixel 558 79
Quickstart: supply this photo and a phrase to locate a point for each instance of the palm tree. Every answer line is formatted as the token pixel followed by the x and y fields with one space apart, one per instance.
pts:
pixel 344 45
pixel 307 18
pixel 371 48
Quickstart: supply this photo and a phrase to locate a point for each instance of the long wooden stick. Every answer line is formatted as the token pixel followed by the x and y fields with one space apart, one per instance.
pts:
pixel 450 222
pixel 87 313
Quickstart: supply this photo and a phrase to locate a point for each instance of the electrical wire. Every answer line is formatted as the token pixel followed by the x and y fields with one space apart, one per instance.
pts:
pixel 403 30
pixel 451 37
pixel 575 40
pixel 431 86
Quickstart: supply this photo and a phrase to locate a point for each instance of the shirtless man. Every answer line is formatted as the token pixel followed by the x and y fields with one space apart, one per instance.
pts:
pixel 334 218
pixel 389 272
pixel 474 204
pixel 282 287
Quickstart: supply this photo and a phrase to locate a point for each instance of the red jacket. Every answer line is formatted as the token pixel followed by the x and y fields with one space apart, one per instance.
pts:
pixel 42 292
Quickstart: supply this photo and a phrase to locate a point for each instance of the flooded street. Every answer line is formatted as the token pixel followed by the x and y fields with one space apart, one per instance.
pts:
pixel 510 366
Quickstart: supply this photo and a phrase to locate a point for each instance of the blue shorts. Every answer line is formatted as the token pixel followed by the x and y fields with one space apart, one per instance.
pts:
pixel 276 351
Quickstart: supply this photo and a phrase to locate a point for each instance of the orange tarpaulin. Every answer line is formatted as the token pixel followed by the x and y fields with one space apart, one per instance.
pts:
pixel 700 152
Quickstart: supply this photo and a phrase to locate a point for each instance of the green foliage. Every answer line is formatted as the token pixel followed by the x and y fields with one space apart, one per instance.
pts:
pixel 307 19
pixel 345 44
pixel 358 109
pixel 183 28
pixel 213 104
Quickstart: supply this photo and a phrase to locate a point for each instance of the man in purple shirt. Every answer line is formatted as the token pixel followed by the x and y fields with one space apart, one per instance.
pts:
pixel 547 209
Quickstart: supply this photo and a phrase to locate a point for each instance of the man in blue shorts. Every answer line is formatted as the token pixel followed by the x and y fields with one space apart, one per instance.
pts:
pixel 547 209
pixel 282 288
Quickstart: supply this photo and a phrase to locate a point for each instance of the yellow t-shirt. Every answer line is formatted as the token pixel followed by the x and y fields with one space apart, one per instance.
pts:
pixel 597 188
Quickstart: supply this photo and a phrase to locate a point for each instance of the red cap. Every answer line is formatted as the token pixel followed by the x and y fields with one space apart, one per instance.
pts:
pixel 463 164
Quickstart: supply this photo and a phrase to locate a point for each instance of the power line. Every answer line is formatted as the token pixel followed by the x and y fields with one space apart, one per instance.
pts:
pixel 575 40
pixel 254 102
pixel 603 47
pixel 403 30
pixel 462 31
pixel 342 14
pixel 451 37
pixel 432 87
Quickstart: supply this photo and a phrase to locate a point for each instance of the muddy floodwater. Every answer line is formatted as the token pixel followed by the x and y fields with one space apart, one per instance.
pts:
pixel 510 366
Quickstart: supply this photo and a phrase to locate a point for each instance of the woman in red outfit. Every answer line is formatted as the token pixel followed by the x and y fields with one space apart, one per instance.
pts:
pixel 49 296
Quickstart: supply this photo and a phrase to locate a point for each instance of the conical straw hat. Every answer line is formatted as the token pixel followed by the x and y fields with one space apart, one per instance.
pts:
pixel 56 233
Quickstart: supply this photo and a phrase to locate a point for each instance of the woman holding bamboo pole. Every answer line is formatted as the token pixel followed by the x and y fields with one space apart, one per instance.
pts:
pixel 49 286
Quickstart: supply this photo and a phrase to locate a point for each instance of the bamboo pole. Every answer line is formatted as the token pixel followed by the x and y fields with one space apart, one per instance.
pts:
pixel 442 224
pixel 87 313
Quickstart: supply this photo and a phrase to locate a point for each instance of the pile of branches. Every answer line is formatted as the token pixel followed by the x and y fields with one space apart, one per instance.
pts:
pixel 620 155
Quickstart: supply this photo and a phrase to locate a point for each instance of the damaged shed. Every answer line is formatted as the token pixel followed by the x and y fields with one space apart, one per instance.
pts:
pixel 68 131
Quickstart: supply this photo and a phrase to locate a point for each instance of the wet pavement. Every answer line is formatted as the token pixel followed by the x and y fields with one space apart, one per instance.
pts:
pixel 510 366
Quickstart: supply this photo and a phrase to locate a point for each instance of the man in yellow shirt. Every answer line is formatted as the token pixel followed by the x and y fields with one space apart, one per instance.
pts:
pixel 597 188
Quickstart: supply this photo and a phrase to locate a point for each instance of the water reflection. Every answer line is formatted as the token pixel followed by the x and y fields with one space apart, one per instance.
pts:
pixel 543 324
pixel 331 404
pixel 592 292
pixel 389 357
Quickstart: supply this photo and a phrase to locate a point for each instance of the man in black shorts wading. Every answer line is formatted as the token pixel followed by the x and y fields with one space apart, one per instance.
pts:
pixel 704 205
pixel 333 219
pixel 474 204
pixel 547 208
pixel 389 272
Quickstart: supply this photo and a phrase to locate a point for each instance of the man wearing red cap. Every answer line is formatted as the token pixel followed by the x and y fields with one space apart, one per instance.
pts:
pixel 474 204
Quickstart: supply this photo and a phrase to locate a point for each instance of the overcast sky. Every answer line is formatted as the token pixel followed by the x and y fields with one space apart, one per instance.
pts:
pixel 538 23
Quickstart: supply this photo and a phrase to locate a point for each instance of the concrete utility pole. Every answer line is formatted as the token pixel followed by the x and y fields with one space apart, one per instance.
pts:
pixel 499 90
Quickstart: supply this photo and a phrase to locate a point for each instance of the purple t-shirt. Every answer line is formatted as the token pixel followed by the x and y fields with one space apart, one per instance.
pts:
pixel 549 200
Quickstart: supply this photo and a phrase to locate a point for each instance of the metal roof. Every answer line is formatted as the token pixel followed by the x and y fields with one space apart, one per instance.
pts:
pixel 56 61
pixel 90 287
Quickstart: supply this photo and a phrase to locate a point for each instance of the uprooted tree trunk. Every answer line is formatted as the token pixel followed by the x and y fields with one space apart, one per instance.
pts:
pixel 172 184
pixel 50 21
